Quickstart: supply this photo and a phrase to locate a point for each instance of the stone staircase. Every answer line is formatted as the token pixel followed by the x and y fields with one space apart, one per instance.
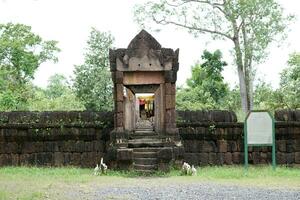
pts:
pixel 145 144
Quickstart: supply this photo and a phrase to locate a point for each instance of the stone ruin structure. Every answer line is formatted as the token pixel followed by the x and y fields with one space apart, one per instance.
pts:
pixel 145 136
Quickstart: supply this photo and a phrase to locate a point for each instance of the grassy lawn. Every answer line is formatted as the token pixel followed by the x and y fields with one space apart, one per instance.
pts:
pixel 40 183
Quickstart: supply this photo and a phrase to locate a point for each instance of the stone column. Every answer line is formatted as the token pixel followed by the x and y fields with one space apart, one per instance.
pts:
pixel 170 114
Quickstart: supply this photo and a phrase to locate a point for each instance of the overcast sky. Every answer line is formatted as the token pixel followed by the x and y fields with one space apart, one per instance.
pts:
pixel 69 22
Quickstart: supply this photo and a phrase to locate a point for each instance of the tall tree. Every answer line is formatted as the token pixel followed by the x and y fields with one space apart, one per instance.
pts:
pixel 92 81
pixel 250 25
pixel 289 91
pixel 208 75
pixel 21 53
pixel 58 95
pixel 57 86
pixel 206 88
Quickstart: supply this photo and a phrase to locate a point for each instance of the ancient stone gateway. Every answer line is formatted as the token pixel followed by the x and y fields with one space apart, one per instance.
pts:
pixel 145 136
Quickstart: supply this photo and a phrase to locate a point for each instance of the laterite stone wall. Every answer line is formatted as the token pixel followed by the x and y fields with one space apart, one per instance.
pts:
pixel 213 142
pixel 53 138
pixel 82 138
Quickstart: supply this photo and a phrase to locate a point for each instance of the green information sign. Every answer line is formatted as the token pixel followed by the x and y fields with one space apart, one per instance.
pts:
pixel 259 130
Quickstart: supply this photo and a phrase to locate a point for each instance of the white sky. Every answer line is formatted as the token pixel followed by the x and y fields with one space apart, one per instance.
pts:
pixel 69 22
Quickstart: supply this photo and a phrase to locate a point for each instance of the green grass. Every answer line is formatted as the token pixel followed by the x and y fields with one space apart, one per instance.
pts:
pixel 38 183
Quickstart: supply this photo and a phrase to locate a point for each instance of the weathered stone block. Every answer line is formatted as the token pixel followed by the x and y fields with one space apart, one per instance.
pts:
pixel 12 147
pixel 191 146
pixel 58 159
pixel 119 92
pixel 220 158
pixel 170 89
pixel 281 145
pixel 165 155
pixel 296 145
pixel 237 157
pixel 124 154
pixel 88 146
pixel 27 159
pixel 290 158
pixel 178 153
pixel 87 159
pixel 98 146
pixel 119 77
pixel 191 158
pixel 45 159
pixel 79 146
pixel 203 157
pixel 297 157
pixel 28 147
pixel 119 119
pixel 255 157
pixel 228 158
pixel 280 158
pixel 15 159
pixel 212 158
pixel 263 158
pixel 5 159
pixel 170 101
pixel 232 146
pixel 75 159
pixel 49 146
pixel 207 147
pixel 222 146
pixel 289 146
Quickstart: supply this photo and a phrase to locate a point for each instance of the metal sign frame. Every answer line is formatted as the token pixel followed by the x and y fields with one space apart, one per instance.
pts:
pixel 246 145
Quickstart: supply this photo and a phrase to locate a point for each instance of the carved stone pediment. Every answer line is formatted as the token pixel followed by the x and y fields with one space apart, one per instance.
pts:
pixel 144 53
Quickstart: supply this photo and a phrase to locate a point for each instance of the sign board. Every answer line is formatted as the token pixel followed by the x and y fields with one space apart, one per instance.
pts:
pixel 259 130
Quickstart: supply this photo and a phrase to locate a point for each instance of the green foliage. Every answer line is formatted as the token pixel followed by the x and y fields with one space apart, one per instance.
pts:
pixel 57 86
pixel 289 92
pixel 206 88
pixel 21 53
pixel 208 75
pixel 92 81
pixel 57 96
pixel 287 96
pixel 193 99
pixel 250 25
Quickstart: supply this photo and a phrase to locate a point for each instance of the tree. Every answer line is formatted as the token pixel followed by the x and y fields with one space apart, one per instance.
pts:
pixel 57 86
pixel 250 25
pixel 92 81
pixel 58 95
pixel 289 91
pixel 208 75
pixel 21 53
pixel 206 88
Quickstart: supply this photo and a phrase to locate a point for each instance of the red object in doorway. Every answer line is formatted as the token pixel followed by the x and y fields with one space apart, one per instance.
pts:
pixel 142 101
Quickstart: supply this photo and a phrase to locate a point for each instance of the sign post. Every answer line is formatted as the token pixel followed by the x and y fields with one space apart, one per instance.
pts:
pixel 259 130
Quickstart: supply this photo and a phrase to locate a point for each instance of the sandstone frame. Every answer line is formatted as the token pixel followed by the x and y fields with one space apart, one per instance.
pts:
pixel 142 68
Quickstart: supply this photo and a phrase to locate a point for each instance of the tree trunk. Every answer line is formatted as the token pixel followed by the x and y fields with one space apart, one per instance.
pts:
pixel 244 84
pixel 243 90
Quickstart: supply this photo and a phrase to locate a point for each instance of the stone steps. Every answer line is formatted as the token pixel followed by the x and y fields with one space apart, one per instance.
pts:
pixel 142 134
pixel 133 136
pixel 145 150
pixel 144 168
pixel 150 154
pixel 145 161
pixel 144 129
pixel 145 133
pixel 137 143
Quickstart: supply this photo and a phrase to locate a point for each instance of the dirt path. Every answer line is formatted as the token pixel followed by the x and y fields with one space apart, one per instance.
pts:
pixel 165 188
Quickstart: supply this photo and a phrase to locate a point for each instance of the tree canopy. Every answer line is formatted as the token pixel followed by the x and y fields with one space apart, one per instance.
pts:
pixel 206 88
pixel 92 81
pixel 21 53
pixel 250 25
